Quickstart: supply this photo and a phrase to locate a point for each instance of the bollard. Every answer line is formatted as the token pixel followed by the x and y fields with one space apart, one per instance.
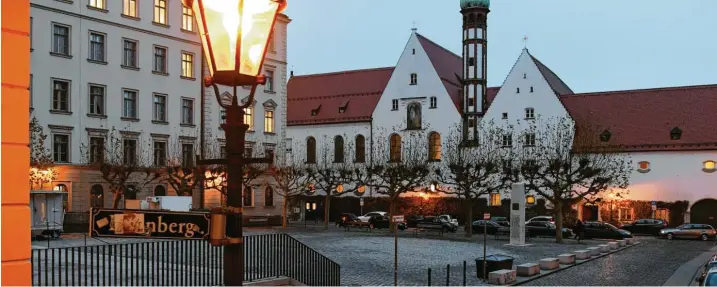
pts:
pixel 464 273
pixel 448 274
pixel 429 276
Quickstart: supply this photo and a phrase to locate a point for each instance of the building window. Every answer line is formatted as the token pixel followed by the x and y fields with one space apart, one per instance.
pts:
pixel 530 139
pixel 394 105
pixel 187 111
pixel 97 47
pixel 414 79
pixel 517 90
pixel 531 89
pixel 222 116
pixel 97 100
pixel 61 39
pixel 413 116
pixel 129 106
pixel 160 60
pixel 247 196
pixel 269 85
pixel 529 113
pixel 626 214
pixel 223 151
pixel 471 122
pixel 160 190
pixel 643 166
pixel 311 150
pixel 61 148
pixel 269 121
pixel 709 166
pixel 97 149
pixel 269 196
pixel 434 146
pixel 129 58
pixel 525 76
pixel 65 195
pixel 187 19
pixel 248 151
pixel 160 153
pixel 360 148
pixel 187 154
pixel 471 61
pixel 187 65
pixel 249 117
pixel 129 146
pixel 338 149
pixel 505 116
pixel 434 102
pixel 160 12
pixel 97 196
pixel 159 112
pixel 395 148
pixel 129 8
pixel 61 95
pixel 495 199
pixel 507 140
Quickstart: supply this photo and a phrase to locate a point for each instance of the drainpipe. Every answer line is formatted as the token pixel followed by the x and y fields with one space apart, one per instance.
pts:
pixel 201 128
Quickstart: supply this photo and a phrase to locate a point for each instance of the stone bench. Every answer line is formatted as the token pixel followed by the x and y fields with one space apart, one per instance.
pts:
pixel 582 254
pixel 630 241
pixel 566 258
pixel 549 263
pixel 501 277
pixel 528 269
pixel 594 251
pixel 622 243
pixel 613 245
pixel 604 248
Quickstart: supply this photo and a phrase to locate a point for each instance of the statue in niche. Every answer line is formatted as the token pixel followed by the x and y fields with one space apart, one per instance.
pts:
pixel 414 116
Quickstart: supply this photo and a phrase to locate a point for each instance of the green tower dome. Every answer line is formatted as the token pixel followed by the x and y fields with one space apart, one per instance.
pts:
pixel 475 4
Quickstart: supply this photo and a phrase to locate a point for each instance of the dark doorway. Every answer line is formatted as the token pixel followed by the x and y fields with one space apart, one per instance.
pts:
pixel 590 212
pixel 704 211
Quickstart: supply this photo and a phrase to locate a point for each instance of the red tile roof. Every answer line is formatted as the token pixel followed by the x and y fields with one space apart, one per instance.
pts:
pixel 358 90
pixel 641 120
pixel 448 66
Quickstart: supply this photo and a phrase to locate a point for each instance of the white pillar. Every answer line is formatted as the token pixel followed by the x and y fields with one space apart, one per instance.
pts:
pixel 517 214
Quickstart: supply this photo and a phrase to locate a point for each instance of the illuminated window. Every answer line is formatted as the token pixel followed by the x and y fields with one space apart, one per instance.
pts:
pixel 643 166
pixel 129 8
pixel 395 148
pixel 160 12
pixel 99 4
pixel 494 199
pixel 434 146
pixel 268 121
pixel 187 19
pixel 709 166
pixel 187 65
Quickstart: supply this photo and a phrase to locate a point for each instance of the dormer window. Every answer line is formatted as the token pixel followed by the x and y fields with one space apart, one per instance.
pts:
pixel 529 113
pixel 394 105
pixel 315 112
pixel 505 116
pixel 605 136
pixel 414 79
pixel 434 102
pixel 342 107
pixel 675 133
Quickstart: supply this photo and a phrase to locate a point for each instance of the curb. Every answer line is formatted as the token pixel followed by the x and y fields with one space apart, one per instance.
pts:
pixel 565 267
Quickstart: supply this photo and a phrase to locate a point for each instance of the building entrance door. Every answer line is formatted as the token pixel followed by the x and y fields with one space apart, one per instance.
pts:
pixel 310 212
pixel 703 211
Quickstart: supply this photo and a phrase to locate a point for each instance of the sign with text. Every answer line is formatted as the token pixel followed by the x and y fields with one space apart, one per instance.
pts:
pixel 486 216
pixel 397 218
pixel 148 224
pixel 361 201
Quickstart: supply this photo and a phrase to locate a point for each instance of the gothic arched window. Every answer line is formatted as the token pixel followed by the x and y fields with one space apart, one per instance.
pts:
pixel 311 150
pixel 360 148
pixel 395 152
pixel 434 146
pixel 269 196
pixel 338 149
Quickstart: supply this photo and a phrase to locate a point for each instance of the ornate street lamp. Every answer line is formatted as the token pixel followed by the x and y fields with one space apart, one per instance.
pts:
pixel 234 35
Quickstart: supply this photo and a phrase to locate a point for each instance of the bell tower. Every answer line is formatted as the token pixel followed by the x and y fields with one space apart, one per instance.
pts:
pixel 475 24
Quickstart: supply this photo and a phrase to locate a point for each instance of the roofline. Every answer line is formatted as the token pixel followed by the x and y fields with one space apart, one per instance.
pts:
pixel 434 43
pixel 336 96
pixel 343 72
pixel 326 122
pixel 641 90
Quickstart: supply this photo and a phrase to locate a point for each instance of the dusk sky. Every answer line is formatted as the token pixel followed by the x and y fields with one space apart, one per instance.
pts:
pixel 591 45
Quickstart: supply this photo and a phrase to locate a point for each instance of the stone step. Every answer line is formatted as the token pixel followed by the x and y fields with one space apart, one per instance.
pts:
pixel 528 269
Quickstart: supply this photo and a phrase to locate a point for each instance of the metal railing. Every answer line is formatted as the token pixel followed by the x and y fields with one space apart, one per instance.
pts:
pixel 180 263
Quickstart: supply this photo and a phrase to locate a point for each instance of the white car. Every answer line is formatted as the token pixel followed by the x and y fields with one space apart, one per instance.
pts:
pixel 449 219
pixel 368 216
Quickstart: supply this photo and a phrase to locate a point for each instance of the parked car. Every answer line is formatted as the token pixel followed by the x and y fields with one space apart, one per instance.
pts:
pixel 597 229
pixel 435 222
pixel 712 263
pixel 413 220
pixel 545 229
pixel 489 226
pixel 449 219
pixel 346 218
pixel 368 216
pixel 710 278
pixel 502 221
pixel 645 226
pixel 689 230
pixel 382 221
pixel 543 218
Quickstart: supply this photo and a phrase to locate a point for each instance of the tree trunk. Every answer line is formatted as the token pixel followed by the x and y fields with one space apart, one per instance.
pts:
pixel 283 212
pixel 116 199
pixel 469 219
pixel 327 207
pixel 558 211
pixel 392 212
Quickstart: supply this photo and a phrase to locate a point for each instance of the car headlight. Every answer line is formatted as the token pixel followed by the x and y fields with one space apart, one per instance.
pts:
pixel 662 232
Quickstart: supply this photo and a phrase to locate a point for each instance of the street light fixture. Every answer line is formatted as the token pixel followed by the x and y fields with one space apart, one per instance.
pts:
pixel 235 35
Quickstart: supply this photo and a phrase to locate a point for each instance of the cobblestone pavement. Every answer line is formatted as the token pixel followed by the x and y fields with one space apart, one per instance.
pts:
pixel 649 264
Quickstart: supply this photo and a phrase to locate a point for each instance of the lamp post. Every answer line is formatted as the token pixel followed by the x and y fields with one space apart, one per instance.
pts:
pixel 234 36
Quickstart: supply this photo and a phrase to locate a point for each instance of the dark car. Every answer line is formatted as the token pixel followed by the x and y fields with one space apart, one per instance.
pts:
pixel 435 222
pixel 382 221
pixel 413 220
pixel 346 218
pixel 712 263
pixel 596 229
pixel 489 226
pixel 646 226
pixel 545 229
pixel 502 221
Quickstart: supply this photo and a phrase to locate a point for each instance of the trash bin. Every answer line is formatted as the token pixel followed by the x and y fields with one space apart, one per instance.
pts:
pixel 493 262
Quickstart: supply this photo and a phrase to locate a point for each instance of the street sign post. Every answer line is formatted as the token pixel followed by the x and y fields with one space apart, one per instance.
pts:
pixel 486 216
pixel 395 219
pixel 149 224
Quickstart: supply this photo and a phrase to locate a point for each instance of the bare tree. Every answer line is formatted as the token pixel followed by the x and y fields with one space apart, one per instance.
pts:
pixel 471 171
pixel 568 164
pixel 123 162
pixel 292 179
pixel 401 164
pixel 215 175
pixel 179 169
pixel 41 161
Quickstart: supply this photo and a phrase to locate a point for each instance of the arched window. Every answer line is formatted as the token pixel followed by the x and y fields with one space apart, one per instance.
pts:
pixel 311 150
pixel 434 146
pixel 130 191
pixel 248 196
pixel 65 195
pixel 97 196
pixel 159 190
pixel 360 148
pixel 269 196
pixel 413 116
pixel 395 153
pixel 338 149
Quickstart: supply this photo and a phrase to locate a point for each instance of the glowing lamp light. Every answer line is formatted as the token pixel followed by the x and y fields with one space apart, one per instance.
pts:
pixel 433 187
pixel 234 35
pixel 361 189
pixel 340 188
pixel 709 165
pixel 530 199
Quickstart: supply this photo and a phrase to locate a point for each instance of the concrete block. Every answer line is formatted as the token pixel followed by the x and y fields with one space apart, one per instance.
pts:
pixel 549 263
pixel 528 269
pixel 594 251
pixel 502 277
pixel 582 254
pixel 604 248
pixel 567 258
pixel 622 243
pixel 630 241
pixel 613 245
